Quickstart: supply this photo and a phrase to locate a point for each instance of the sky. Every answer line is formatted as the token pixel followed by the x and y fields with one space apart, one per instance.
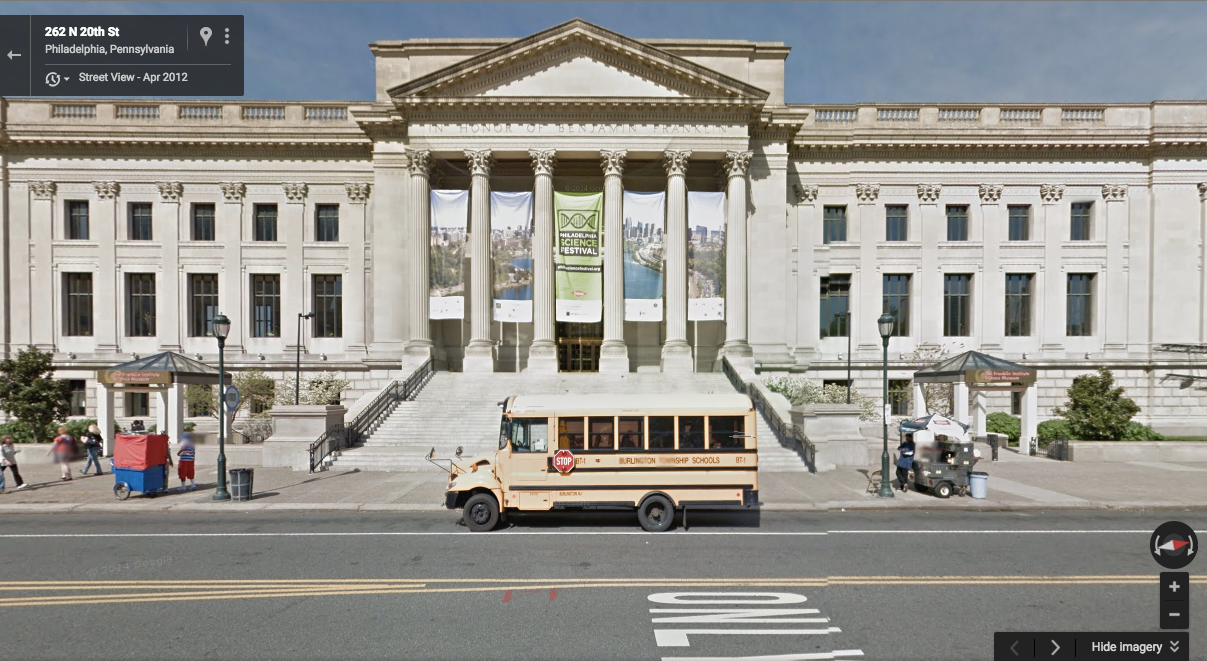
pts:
pixel 842 52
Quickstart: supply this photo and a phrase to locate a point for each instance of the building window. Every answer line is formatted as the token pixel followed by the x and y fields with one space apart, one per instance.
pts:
pixel 1079 222
pixel 77 304
pixel 1016 401
pixel 203 222
pixel 1020 222
pixel 957 222
pixel 896 301
pixel 328 306
pixel 899 396
pixel 138 404
pixel 199 407
pixel 77 220
pixel 1080 305
pixel 265 222
pixel 266 305
pixel 203 304
pixel 896 222
pixel 326 222
pixel 139 227
pixel 957 304
pixel 834 224
pixel 140 305
pixel 78 404
pixel 1018 304
pixel 835 303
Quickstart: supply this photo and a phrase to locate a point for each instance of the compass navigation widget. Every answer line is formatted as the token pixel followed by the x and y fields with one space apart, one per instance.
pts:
pixel 1173 545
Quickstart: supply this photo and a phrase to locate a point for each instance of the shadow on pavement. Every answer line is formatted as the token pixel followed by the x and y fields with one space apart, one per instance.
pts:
pixel 626 520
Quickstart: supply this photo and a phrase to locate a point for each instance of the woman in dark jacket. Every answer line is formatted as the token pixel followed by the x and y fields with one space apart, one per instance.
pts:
pixel 93 444
pixel 905 461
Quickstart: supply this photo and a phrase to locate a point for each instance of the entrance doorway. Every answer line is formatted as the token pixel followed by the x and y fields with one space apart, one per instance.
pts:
pixel 578 346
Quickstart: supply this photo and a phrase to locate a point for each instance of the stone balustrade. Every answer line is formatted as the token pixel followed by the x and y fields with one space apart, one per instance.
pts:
pixel 312 114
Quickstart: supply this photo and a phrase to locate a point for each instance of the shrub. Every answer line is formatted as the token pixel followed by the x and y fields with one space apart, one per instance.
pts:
pixel 1138 432
pixel 1004 423
pixel 320 389
pixel 20 431
pixel 30 393
pixel 1097 410
pixel 800 391
pixel 1048 430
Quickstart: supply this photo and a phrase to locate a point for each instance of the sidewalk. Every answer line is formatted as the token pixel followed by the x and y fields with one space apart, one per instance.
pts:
pixel 1016 483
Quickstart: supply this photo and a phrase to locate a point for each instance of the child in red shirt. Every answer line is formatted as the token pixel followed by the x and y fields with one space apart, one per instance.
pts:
pixel 63 449
pixel 187 462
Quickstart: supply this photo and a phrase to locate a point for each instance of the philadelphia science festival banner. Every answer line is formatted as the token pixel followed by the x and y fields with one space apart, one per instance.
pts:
pixel 644 215
pixel 705 256
pixel 450 220
pixel 511 250
pixel 578 269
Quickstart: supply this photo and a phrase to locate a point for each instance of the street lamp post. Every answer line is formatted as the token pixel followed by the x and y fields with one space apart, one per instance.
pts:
pixel 297 374
pixel 848 357
pixel 885 324
pixel 222 327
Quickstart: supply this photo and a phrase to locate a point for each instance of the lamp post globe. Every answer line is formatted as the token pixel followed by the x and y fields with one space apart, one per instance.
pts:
pixel 222 328
pixel 297 372
pixel 885 325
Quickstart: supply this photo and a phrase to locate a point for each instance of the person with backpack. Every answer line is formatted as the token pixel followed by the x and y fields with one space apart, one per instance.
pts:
pixel 63 450
pixel 93 443
pixel 905 461
pixel 8 461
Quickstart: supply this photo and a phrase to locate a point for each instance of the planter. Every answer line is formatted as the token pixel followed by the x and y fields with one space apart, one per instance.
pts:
pixel 1124 451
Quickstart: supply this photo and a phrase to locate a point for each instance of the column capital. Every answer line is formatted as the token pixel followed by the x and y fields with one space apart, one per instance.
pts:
pixel 44 190
pixel 233 191
pixel 543 161
pixel 990 193
pixel 170 191
pixel 867 193
pixel 736 163
pixel 358 192
pixel 480 162
pixel 419 162
pixel 1114 192
pixel 612 161
pixel 929 193
pixel 106 190
pixel 805 193
pixel 295 192
pixel 1051 193
pixel 675 161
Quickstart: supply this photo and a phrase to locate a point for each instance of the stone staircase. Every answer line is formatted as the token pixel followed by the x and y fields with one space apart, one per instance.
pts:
pixel 461 410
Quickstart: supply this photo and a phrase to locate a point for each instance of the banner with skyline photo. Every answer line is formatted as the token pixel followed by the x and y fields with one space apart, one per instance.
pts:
pixel 450 222
pixel 644 221
pixel 705 256
pixel 511 252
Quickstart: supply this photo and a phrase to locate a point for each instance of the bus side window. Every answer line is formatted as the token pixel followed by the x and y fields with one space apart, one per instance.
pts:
pixel 538 435
pixel 632 433
pixel 519 436
pixel 726 432
pixel 570 433
pixel 691 432
pixel 602 437
pixel 662 433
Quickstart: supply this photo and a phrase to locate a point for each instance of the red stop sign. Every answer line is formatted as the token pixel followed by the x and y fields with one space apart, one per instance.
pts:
pixel 563 461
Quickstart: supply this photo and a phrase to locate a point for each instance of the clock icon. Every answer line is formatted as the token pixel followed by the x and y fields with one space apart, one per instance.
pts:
pixel 52 79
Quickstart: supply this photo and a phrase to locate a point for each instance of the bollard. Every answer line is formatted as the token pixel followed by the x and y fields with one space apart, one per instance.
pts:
pixel 993 445
pixel 1034 446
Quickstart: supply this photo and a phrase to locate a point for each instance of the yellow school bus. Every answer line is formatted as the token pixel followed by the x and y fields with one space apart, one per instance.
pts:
pixel 654 454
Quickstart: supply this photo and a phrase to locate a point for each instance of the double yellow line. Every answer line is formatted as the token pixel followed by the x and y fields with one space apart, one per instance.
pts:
pixel 79 593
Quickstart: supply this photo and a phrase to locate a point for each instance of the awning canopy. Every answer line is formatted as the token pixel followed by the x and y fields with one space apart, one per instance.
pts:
pixel 974 367
pixel 161 369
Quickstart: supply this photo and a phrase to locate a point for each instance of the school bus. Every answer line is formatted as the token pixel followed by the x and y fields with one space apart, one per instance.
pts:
pixel 654 454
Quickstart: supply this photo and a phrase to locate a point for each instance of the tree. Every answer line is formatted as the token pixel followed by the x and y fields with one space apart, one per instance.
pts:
pixel 939 396
pixel 30 394
pixel 800 391
pixel 1097 410
pixel 322 388
pixel 256 392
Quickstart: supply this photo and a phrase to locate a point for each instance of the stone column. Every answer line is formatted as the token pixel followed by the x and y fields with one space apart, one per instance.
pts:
pixel 542 356
pixel 930 288
pixel 292 224
pixel 994 231
pixel 229 230
pixel 107 286
pixel 170 294
pixel 614 354
pixel 389 253
pixel 1114 294
pixel 1053 290
pixel 919 401
pixel 39 247
pixel 865 300
pixel 808 334
pixel 736 348
pixel 676 352
pixel 479 355
pixel 104 416
pixel 980 412
pixel 419 220
pixel 1203 261
pixel 1030 419
pixel 354 273
pixel 959 408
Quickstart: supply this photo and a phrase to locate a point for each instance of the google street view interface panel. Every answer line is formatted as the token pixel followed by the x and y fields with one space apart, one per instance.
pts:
pixel 602 331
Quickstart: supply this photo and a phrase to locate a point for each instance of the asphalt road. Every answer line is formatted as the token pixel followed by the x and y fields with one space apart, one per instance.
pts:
pixel 926 586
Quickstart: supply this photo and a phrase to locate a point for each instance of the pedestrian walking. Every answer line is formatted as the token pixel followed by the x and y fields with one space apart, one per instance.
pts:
pixel 8 461
pixel 905 461
pixel 188 460
pixel 137 426
pixel 93 443
pixel 63 450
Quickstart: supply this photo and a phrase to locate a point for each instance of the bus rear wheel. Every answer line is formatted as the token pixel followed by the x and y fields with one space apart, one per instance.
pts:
pixel 656 513
pixel 481 512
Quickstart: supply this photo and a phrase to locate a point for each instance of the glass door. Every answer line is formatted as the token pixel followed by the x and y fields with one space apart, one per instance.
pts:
pixel 578 346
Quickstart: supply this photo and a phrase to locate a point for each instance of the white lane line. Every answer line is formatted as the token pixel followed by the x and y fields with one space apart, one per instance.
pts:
pixel 989 532
pixel 405 534
pixel 808 656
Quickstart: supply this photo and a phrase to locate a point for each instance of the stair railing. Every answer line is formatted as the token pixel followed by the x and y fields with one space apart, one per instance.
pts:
pixel 344 436
pixel 788 434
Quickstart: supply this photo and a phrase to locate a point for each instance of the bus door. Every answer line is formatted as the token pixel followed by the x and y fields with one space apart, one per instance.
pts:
pixel 528 462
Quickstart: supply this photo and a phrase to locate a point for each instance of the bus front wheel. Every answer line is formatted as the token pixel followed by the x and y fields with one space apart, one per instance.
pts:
pixel 656 513
pixel 481 512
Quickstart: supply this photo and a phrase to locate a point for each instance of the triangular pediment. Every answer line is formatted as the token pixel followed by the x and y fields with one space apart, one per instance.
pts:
pixel 580 60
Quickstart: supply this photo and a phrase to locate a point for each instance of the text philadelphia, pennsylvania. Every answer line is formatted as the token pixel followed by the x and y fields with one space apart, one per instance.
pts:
pixel 112 49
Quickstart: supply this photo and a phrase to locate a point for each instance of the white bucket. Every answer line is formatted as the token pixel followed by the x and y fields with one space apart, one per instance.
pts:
pixel 978 484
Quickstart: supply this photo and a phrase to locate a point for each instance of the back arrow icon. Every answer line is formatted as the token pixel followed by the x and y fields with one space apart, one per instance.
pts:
pixel 11 55
pixel 1014 646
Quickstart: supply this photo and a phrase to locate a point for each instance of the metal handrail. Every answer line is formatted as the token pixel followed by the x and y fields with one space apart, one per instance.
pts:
pixel 343 436
pixel 788 434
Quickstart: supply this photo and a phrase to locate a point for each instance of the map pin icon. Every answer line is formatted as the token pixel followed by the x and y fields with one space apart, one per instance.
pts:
pixel 205 35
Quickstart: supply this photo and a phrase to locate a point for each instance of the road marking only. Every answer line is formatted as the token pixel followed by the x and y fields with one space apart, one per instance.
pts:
pixel 728 533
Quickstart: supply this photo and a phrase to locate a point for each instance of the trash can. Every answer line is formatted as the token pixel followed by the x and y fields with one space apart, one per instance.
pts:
pixel 241 483
pixel 978 484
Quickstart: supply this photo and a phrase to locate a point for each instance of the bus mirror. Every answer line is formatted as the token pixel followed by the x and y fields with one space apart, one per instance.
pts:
pixel 432 453
pixel 459 451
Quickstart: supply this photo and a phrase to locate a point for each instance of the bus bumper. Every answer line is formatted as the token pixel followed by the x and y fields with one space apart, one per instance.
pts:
pixel 450 499
pixel 750 497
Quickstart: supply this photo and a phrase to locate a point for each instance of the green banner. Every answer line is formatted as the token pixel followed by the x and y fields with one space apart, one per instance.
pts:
pixel 578 219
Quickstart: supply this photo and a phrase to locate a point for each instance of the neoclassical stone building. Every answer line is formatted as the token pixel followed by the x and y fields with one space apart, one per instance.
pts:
pixel 1065 237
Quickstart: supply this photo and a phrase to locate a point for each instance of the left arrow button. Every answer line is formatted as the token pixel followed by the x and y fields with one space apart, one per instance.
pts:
pixel 11 55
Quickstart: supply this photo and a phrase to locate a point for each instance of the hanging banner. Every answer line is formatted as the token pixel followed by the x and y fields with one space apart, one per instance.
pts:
pixel 511 250
pixel 705 256
pixel 644 215
pixel 578 267
pixel 450 222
